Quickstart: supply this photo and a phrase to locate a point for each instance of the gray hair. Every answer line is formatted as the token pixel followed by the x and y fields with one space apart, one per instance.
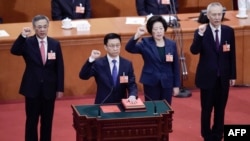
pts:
pixel 39 17
pixel 214 4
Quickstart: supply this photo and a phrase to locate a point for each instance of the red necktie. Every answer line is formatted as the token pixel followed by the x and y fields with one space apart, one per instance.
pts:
pixel 42 50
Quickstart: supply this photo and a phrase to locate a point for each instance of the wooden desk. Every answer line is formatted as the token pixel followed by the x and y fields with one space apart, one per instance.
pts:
pixel 77 46
pixel 126 126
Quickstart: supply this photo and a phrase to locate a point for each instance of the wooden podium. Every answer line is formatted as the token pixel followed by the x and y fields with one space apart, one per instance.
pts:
pixel 123 126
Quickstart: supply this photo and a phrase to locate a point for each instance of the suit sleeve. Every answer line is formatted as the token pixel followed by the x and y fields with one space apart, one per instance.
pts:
pixel 56 10
pixel 132 87
pixel 88 9
pixel 132 46
pixel 140 7
pixel 18 46
pixel 176 67
pixel 86 71
pixel 233 56
pixel 197 43
pixel 60 69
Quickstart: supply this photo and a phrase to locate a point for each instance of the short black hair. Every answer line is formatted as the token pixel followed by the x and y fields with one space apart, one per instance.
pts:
pixel 153 19
pixel 111 36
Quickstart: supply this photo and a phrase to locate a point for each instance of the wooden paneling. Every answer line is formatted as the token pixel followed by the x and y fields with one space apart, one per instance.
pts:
pixel 24 10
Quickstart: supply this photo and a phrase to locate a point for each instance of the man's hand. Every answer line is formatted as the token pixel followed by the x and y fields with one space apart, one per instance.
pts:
pixel 26 32
pixel 59 94
pixel 132 99
pixel 95 54
pixel 232 82
pixel 202 29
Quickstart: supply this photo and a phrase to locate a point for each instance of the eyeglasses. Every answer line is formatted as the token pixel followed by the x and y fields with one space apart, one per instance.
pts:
pixel 114 46
pixel 41 27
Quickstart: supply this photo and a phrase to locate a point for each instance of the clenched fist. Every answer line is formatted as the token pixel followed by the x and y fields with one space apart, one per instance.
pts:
pixel 140 31
pixel 95 54
pixel 202 29
pixel 26 31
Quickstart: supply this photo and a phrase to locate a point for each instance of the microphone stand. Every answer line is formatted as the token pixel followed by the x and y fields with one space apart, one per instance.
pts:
pixel 178 36
pixel 99 109
pixel 155 107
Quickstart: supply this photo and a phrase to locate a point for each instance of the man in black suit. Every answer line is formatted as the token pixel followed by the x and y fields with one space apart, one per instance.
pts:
pixel 120 84
pixel 73 9
pixel 216 70
pixel 43 78
pixel 156 7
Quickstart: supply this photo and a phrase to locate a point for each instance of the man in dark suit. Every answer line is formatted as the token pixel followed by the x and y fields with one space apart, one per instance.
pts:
pixel 156 7
pixel 216 70
pixel 113 74
pixel 73 9
pixel 43 78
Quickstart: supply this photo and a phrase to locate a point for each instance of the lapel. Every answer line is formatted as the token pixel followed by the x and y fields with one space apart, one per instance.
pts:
pixel 223 37
pixel 107 70
pixel 153 47
pixel 121 68
pixel 49 48
pixel 211 40
pixel 36 50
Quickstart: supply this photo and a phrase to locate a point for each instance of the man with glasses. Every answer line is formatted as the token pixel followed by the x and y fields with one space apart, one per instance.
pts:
pixel 43 78
pixel 114 75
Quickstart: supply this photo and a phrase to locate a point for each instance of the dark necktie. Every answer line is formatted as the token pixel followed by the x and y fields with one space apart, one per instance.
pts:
pixel 114 72
pixel 217 42
pixel 42 50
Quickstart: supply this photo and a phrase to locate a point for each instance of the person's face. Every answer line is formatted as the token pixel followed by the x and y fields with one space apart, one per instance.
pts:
pixel 113 47
pixel 158 31
pixel 215 15
pixel 41 28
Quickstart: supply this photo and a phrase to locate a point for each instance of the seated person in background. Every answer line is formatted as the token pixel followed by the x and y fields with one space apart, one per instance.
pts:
pixel 156 7
pixel 73 9
pixel 113 74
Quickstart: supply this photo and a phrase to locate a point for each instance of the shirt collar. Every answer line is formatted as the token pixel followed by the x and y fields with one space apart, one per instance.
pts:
pixel 213 28
pixel 44 39
pixel 110 59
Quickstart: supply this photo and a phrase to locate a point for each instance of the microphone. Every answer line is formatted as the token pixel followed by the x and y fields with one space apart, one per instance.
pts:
pixel 104 100
pixel 155 108
pixel 173 21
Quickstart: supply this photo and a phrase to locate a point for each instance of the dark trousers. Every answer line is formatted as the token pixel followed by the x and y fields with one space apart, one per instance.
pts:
pixel 158 93
pixel 213 100
pixel 39 108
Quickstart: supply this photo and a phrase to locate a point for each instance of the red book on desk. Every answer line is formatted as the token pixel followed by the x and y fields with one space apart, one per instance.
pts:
pixel 138 106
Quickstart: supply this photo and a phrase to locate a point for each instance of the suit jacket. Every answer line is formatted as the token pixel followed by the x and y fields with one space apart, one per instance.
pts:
pixel 38 78
pixel 61 9
pixel 155 70
pixel 101 71
pixel 213 62
pixel 145 7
